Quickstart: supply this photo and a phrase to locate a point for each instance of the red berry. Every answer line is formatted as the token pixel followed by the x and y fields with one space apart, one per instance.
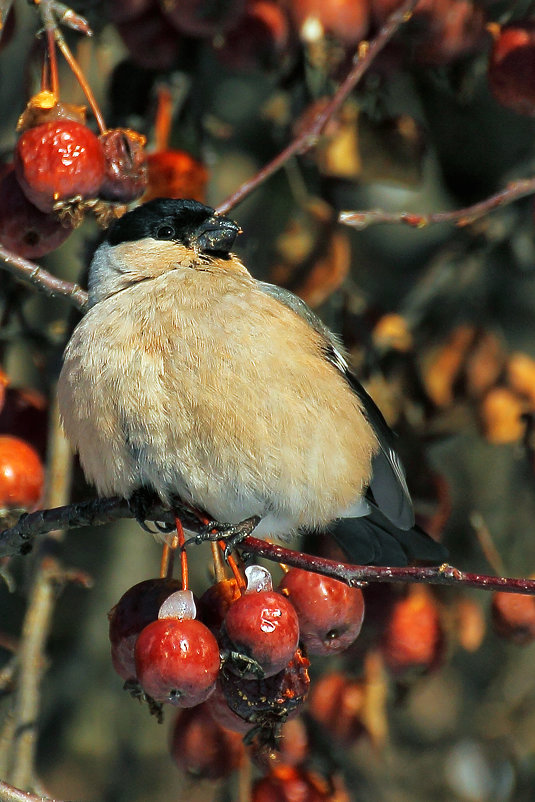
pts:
pixel 289 784
pixel 215 602
pixel 263 626
pixel 348 20
pixel 259 40
pixel 511 71
pixel 222 713
pixel 126 165
pixel 330 613
pixel 21 474
pixel 175 174
pixel 202 748
pixel 177 661
pixel 56 161
pixel 337 702
pixel 201 18
pixel 138 607
pixel 23 228
pixel 513 616
pixel 25 415
pixel 414 638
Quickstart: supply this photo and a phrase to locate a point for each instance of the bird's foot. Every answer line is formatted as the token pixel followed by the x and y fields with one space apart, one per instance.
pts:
pixel 141 502
pixel 232 534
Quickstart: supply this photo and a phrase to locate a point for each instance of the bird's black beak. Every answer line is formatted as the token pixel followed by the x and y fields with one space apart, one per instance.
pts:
pixel 216 235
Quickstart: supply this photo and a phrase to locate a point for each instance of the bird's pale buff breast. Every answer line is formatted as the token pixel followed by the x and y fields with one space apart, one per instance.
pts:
pixel 199 384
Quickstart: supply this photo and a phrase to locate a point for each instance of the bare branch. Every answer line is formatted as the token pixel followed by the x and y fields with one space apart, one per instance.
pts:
pixel 10 794
pixel 309 136
pixel 19 538
pixel 44 281
pixel 461 217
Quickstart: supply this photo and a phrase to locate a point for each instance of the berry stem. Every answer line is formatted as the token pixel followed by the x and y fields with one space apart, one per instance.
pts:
pixel 181 542
pixel 168 558
pixel 52 62
pixel 233 565
pixel 80 77
pixel 164 114
pixel 219 565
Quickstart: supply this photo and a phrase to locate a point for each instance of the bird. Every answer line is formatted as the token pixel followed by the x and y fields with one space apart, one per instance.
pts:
pixel 191 379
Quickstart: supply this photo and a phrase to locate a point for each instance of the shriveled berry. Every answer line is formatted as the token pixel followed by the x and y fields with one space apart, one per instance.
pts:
pixel 58 160
pixel 138 607
pixel 21 474
pixel 414 638
pixel 222 713
pixel 23 228
pixel 511 71
pixel 268 703
pixel 177 661
pixel 126 173
pixel 202 748
pixel 330 613
pixel 264 627
pixel 513 616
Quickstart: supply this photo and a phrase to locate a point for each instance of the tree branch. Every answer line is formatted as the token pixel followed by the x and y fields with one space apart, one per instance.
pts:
pixel 309 136
pixel 18 539
pixel 461 217
pixel 10 794
pixel 41 279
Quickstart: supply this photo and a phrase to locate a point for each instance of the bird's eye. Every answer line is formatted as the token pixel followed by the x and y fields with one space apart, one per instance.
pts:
pixel 165 232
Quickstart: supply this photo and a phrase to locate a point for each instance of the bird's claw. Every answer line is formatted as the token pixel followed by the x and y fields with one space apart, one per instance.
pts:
pixel 232 534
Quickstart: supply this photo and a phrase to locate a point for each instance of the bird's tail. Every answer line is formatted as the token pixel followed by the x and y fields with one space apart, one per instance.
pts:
pixel 373 540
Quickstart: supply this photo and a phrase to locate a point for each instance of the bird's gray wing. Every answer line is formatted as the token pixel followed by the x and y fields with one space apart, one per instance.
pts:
pixel 388 484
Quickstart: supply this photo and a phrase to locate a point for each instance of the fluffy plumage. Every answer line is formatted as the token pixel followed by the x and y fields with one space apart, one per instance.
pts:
pixel 192 378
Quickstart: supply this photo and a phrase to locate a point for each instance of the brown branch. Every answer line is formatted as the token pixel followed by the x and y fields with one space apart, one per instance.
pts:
pixel 461 217
pixel 310 135
pixel 44 281
pixel 10 794
pixel 18 539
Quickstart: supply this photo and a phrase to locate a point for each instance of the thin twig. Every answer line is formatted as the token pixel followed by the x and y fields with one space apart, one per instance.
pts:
pixel 10 794
pixel 310 135
pixel 44 281
pixel 101 511
pixel 461 217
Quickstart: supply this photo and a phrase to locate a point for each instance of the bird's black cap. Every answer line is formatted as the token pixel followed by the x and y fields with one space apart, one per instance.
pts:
pixel 183 220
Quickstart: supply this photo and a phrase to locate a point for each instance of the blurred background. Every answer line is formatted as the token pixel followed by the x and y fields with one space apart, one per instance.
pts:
pixel 436 699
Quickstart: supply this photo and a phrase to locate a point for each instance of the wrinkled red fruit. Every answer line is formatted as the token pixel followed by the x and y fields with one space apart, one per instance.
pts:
pixel 511 70
pixel 126 173
pixel 202 18
pixel 56 161
pixel 264 627
pixel 202 748
pixel 177 661
pixel 138 607
pixel 21 474
pixel 23 228
pixel 259 40
pixel 330 613
pixel 268 703
pixel 513 616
